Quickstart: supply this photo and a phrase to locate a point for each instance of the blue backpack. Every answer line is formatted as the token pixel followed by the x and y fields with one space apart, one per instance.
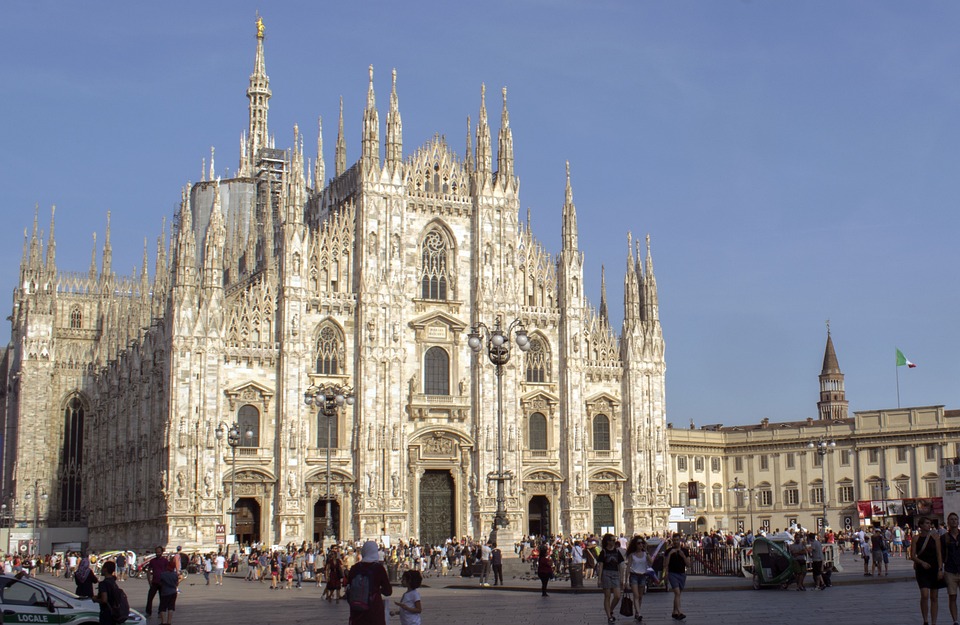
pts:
pixel 358 593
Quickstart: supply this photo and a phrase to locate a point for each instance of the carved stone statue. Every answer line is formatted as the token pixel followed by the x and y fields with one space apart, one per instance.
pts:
pixel 660 482
pixel 490 488
pixel 208 484
pixel 579 482
pixel 640 480
pixel 395 482
pixel 395 439
pixel 292 487
pixel 181 484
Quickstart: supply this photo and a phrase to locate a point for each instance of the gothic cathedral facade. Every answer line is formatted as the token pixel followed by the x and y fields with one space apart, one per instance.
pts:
pixel 120 388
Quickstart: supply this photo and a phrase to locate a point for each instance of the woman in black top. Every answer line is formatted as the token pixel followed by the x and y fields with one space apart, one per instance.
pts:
pixel 609 561
pixel 675 561
pixel 85 579
pixel 928 565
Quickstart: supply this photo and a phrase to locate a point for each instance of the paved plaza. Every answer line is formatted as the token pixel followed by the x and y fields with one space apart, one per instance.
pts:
pixel 854 600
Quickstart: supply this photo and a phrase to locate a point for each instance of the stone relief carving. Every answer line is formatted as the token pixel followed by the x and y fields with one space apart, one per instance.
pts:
pixel 438 445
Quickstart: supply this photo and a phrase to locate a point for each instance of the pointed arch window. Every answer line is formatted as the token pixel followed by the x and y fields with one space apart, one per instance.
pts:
pixel 601 433
pixel 538 361
pixel 433 266
pixel 76 318
pixel 71 472
pixel 329 351
pixel 249 420
pixel 436 372
pixel 538 431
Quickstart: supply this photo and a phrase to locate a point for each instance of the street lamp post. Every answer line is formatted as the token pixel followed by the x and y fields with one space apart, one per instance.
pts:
pixel 738 489
pixel 498 350
pixel 233 439
pixel 822 446
pixel 36 495
pixel 328 398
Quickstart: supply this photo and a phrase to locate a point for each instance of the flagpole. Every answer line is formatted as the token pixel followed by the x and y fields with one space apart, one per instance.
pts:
pixel 897 367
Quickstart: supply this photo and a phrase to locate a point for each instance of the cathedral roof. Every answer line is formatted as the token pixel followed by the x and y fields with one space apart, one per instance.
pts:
pixel 830 363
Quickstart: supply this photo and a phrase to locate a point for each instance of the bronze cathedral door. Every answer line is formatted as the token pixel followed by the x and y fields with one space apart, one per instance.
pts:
pixel 436 507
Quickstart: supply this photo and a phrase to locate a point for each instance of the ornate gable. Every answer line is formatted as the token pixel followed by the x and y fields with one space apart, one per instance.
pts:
pixel 436 171
pixel 249 393
pixel 438 326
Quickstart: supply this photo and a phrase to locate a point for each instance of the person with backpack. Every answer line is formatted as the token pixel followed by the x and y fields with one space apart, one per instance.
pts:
pixel 367 585
pixel 114 607
pixel 169 580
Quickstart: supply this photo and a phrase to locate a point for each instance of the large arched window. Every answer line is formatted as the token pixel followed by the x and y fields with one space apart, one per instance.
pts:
pixel 329 351
pixel 436 372
pixel 601 433
pixel 538 361
pixel 71 473
pixel 538 431
pixel 76 318
pixel 249 420
pixel 433 266
pixel 323 434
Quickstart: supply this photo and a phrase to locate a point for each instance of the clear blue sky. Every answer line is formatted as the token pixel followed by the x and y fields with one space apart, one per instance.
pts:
pixel 792 161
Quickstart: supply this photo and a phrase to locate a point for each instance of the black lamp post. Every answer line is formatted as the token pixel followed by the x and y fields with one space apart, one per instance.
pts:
pixel 36 495
pixel 329 398
pixel 233 439
pixel 822 446
pixel 738 489
pixel 498 350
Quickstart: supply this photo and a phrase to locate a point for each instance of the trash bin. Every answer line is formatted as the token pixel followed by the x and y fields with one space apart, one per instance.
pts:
pixel 576 576
pixel 392 570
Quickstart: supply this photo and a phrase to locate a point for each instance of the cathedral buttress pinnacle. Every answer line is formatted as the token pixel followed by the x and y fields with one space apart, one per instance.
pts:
pixel 93 257
pixel 319 171
pixel 340 158
pixel 468 157
pixel 51 264
pixel 370 151
pixel 651 303
pixel 107 267
pixel 394 156
pixel 569 216
pixel 484 158
pixel 505 148
pixel 604 316
pixel 631 288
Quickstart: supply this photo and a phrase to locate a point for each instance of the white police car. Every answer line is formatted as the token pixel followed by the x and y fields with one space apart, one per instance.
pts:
pixel 28 600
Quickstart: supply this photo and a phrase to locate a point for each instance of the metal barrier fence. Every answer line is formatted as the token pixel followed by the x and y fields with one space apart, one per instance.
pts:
pixel 723 560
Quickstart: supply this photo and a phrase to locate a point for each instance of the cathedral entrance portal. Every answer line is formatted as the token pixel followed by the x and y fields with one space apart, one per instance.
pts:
pixel 320 530
pixel 538 516
pixel 603 516
pixel 436 507
pixel 248 521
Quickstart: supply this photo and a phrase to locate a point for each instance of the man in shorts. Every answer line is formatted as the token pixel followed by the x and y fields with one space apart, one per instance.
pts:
pixel 951 562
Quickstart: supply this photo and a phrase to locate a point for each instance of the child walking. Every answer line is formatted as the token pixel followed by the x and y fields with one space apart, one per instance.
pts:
pixel 409 603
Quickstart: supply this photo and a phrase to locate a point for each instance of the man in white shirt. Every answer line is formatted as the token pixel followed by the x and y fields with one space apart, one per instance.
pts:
pixel 485 552
pixel 219 563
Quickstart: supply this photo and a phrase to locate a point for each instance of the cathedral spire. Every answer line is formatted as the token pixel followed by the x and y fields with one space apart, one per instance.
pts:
pixel 370 150
pixel 604 316
pixel 569 216
pixel 394 155
pixel 650 299
pixel 145 272
pixel 107 266
pixel 51 264
pixel 340 158
pixel 35 245
pixel 833 398
pixel 505 147
pixel 483 141
pixel 259 95
pixel 319 171
pixel 213 169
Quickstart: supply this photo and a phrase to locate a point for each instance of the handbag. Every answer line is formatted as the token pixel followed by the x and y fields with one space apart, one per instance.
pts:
pixel 626 606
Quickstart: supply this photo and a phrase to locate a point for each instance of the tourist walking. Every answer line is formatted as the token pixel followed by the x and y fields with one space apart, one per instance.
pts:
pixel 108 593
pixel 609 562
pixel 154 568
pixel 85 579
pixel 334 574
pixel 675 563
pixel 496 561
pixel 369 610
pixel 544 568
pixel 928 567
pixel 638 562
pixel 169 580
pixel 951 562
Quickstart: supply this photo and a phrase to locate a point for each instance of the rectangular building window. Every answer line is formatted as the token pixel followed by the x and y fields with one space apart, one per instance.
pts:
pixel 684 499
pixel 873 456
pixel 931 453
pixel 738 464
pixel 844 457
pixel 791 462
pixel 901 454
pixel 791 497
pixel 681 463
pixel 766 497
pixel 933 488
pixel 845 494
pixel 764 462
pixel 698 464
pixel 817 459
pixel 715 465
pixel 717 499
pixel 816 495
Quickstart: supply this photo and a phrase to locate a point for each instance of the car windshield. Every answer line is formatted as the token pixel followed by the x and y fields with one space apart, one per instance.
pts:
pixel 60 593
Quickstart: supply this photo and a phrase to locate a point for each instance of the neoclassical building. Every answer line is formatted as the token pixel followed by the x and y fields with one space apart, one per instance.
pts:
pixel 883 467
pixel 278 279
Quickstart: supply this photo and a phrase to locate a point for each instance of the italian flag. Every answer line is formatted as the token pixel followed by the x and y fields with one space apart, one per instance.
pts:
pixel 902 360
